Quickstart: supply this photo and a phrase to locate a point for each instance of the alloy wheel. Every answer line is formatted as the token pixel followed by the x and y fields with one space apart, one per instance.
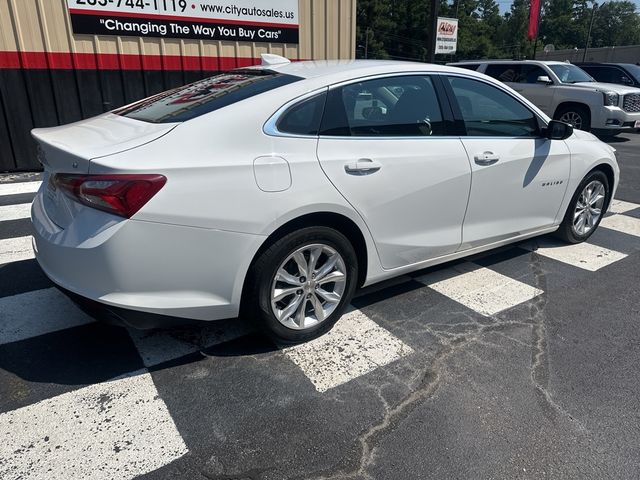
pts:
pixel 308 286
pixel 589 208
pixel 572 118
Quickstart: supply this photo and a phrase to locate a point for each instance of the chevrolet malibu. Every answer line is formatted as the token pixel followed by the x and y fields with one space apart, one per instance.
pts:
pixel 273 192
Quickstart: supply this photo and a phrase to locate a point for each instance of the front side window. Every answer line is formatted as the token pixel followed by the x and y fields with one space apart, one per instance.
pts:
pixel 184 103
pixel 530 74
pixel 633 70
pixel 618 76
pixel 403 106
pixel 489 112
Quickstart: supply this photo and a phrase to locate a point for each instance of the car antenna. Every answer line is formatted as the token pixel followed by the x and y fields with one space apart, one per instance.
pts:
pixel 269 59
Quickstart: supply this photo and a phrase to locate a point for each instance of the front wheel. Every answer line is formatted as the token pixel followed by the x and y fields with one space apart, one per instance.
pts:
pixel 586 208
pixel 576 116
pixel 300 286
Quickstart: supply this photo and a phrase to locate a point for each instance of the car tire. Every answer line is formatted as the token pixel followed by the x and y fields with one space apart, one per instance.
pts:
pixel 575 115
pixel 593 192
pixel 293 275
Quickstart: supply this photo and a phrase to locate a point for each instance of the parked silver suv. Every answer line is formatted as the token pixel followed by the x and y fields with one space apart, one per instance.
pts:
pixel 566 92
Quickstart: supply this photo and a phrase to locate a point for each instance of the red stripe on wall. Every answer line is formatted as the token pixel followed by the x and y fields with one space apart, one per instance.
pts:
pixel 78 11
pixel 112 61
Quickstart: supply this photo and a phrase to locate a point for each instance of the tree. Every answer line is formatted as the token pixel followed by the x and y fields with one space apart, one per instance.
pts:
pixel 616 24
pixel 399 28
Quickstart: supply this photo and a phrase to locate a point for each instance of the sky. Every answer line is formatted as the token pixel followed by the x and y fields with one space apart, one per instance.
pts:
pixel 505 5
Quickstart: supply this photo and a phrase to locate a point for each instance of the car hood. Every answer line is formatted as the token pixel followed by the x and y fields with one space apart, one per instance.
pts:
pixel 607 87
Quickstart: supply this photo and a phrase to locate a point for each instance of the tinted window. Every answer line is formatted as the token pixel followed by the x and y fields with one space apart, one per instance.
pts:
pixel 304 117
pixel 516 73
pixel 393 106
pixel 505 72
pixel 608 75
pixel 633 70
pixel 530 74
pixel 205 96
pixel 490 112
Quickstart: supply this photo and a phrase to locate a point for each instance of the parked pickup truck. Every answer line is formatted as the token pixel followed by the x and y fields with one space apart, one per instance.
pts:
pixel 567 93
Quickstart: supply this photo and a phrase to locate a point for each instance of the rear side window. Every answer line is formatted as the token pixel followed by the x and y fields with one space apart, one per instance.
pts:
pixel 399 106
pixel 204 96
pixel 303 118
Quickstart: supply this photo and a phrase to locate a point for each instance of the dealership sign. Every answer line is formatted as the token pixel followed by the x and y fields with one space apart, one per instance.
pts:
pixel 447 35
pixel 242 20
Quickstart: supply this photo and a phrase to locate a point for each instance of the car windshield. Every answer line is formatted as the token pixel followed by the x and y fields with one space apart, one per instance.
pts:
pixel 204 96
pixel 568 73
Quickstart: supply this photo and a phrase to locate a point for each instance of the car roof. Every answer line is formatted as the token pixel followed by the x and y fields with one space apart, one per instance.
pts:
pixel 337 70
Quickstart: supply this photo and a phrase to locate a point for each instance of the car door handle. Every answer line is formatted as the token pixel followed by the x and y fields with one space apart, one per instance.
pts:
pixel 362 166
pixel 486 158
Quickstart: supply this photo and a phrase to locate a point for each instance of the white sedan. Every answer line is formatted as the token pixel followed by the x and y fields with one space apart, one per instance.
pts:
pixel 273 192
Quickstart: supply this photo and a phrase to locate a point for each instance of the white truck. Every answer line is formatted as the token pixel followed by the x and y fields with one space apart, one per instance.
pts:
pixel 567 93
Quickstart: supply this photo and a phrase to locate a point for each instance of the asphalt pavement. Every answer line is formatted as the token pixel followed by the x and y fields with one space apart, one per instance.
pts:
pixel 520 363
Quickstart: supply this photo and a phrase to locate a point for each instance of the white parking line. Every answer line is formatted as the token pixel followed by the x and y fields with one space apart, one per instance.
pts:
pixel 36 313
pixel 481 289
pixel 159 346
pixel 15 249
pixel 622 223
pixel 118 429
pixel 620 206
pixel 19 187
pixel 356 346
pixel 583 255
pixel 15 212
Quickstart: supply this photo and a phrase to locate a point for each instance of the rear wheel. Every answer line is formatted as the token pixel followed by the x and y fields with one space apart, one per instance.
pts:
pixel 586 208
pixel 575 115
pixel 300 286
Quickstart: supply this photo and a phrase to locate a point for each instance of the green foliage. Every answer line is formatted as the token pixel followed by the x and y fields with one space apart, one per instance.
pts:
pixel 399 28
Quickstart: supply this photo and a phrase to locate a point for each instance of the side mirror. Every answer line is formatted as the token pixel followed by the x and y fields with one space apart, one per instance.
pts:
pixel 544 79
pixel 558 130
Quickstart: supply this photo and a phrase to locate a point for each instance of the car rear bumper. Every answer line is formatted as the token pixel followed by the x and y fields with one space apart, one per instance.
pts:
pixel 155 268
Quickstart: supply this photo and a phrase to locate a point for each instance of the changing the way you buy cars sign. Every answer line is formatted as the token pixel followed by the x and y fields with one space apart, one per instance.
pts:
pixel 242 20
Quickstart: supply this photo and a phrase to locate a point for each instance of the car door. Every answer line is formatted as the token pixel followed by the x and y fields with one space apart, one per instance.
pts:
pixel 519 178
pixel 538 93
pixel 385 145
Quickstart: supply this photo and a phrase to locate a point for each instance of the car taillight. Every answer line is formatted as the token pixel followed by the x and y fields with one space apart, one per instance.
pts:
pixel 120 194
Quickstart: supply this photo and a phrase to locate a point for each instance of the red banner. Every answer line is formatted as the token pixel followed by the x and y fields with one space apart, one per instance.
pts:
pixel 534 19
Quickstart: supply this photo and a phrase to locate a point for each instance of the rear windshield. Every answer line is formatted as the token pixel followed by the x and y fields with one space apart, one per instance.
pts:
pixel 204 96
